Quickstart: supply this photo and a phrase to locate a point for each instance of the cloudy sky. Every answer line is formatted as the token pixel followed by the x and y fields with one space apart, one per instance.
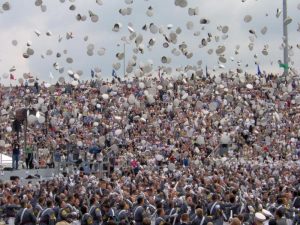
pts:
pixel 23 18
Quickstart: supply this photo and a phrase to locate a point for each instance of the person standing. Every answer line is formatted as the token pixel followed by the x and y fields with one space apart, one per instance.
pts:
pixel 95 211
pixel 139 211
pixel 25 215
pixel 57 160
pixel 47 216
pixel 15 156
pixel 86 219
pixel 29 157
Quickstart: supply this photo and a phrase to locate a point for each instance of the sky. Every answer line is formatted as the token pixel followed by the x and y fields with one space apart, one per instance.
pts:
pixel 23 18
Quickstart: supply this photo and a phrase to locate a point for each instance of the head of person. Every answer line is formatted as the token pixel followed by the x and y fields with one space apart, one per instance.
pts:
pixel 84 209
pixel 199 212
pixel 49 203
pixel 235 221
pixel 140 200
pixel 185 218
pixel 146 221
pixel 160 212
pixel 272 222
pixel 24 203
pixel 279 214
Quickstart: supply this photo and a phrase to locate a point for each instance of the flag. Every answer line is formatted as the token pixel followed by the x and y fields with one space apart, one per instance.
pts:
pixel 284 66
pixel 12 77
pixel 258 70
pixel 114 73
pixel 92 73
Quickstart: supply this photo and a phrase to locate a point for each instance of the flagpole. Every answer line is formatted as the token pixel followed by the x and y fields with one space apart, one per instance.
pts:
pixel 286 42
pixel 124 61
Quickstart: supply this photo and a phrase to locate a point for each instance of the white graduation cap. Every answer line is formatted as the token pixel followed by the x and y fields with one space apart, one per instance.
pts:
pixel 61 70
pixel 247 18
pixel 264 30
pixel 204 21
pixel 37 32
pixel 222 59
pixel 139 39
pixel 69 35
pixel 49 33
pixel 94 17
pixel 169 27
pixel 49 52
pixel 69 60
pixel 99 2
pixel 288 20
pixel 178 30
pixel 249 86
pixel 181 3
pixel 153 28
pixel 131 30
pixel 117 27
pixel 105 96
pixel 90 52
pixel 70 72
pixel 278 13
pixel 12 69
pixel 116 66
pixel 14 42
pixel 267 213
pixel 260 217
pixel 72 7
pixel 251 46
pixel 225 29
pixel 75 83
pixel 6 6
pixel 120 55
pixel 43 8
pixel 30 51
pixel 190 25
pixel 25 55
pixel 91 46
pixel 150 12
pixel 101 51
pixel 151 42
pixel 220 50
pixel 193 11
pixel 76 76
pixel 197 33
pixel 210 51
pixel 128 11
pixel 265 52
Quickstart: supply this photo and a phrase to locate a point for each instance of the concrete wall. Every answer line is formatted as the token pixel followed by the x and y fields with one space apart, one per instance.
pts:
pixel 22 174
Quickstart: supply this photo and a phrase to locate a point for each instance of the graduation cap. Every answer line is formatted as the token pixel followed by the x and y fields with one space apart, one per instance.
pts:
pixel 6 6
pixel 247 18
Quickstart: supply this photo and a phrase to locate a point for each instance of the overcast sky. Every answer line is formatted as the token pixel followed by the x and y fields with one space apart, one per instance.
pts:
pixel 20 22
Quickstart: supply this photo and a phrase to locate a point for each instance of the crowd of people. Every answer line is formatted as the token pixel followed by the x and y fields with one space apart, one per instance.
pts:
pixel 196 150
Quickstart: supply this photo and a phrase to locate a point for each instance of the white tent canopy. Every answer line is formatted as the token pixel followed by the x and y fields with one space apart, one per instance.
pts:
pixel 5 160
